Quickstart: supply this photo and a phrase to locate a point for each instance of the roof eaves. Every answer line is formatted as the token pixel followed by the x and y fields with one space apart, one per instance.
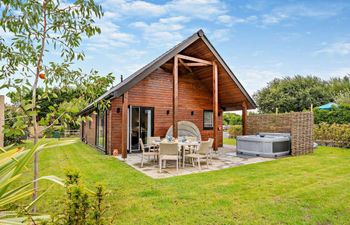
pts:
pixel 146 70
pixel 228 70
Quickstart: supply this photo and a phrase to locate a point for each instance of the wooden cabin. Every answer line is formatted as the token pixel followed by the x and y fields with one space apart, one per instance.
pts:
pixel 190 82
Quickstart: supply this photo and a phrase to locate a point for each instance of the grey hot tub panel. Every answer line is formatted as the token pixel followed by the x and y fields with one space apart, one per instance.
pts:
pixel 264 144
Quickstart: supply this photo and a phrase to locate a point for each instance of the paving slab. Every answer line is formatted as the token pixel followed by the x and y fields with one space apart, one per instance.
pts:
pixel 225 157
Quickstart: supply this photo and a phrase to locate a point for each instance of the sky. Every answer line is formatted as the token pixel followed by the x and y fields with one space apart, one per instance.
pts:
pixel 259 40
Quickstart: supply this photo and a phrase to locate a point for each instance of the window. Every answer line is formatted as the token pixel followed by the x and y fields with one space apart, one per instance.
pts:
pixel 100 130
pixel 208 120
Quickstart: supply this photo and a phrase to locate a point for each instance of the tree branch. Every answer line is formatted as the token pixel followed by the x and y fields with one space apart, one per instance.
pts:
pixel 53 123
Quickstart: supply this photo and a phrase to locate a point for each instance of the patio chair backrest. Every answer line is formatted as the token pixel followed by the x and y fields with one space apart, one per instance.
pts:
pixel 151 139
pixel 204 147
pixel 168 148
pixel 142 146
pixel 211 140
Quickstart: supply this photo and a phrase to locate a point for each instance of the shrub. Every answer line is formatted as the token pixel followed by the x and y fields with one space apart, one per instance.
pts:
pixel 232 119
pixel 81 205
pixel 338 115
pixel 332 134
pixel 15 128
pixel 235 130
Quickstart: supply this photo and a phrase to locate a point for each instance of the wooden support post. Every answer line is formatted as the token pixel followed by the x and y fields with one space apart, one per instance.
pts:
pixel 125 124
pixel 175 95
pixel 215 104
pixel 244 118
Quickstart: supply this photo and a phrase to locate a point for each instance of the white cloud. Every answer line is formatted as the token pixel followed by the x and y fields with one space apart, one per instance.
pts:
pixel 202 9
pixel 321 11
pixel 220 35
pixel 231 20
pixel 249 77
pixel 165 32
pixel 339 48
pixel 110 36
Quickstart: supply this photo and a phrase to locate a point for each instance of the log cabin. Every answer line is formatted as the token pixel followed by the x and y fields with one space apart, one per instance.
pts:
pixel 190 82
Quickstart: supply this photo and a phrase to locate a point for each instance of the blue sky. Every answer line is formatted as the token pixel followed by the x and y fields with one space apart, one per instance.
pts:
pixel 259 40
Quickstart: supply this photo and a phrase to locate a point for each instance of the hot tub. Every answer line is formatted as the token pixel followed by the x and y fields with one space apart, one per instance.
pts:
pixel 264 144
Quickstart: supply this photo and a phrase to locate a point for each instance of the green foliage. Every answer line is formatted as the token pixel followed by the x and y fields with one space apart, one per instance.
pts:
pixel 339 85
pixel 232 119
pixel 292 94
pixel 235 130
pixel 339 115
pixel 37 31
pixel 82 206
pixel 15 128
pixel 13 163
pixel 333 134
pixel 343 98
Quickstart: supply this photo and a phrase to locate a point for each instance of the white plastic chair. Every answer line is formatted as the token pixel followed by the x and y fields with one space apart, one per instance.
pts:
pixel 203 152
pixel 144 153
pixel 168 152
pixel 151 145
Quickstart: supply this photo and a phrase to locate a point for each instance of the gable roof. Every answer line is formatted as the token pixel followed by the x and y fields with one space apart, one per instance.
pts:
pixel 140 74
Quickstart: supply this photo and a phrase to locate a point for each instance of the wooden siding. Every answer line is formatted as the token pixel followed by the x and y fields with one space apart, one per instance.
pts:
pixel 90 131
pixel 156 91
pixel 227 87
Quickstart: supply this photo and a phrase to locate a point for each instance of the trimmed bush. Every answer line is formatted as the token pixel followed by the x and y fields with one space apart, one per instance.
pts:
pixel 235 130
pixel 332 134
pixel 338 115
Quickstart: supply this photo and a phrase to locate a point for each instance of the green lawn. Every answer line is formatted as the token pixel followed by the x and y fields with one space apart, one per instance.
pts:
pixel 229 141
pixel 312 189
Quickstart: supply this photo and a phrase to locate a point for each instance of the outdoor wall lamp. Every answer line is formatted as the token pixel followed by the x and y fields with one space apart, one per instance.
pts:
pixel 167 112
pixel 192 113
pixel 118 110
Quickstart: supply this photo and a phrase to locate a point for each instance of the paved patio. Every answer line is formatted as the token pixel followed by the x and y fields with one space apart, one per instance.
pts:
pixel 225 157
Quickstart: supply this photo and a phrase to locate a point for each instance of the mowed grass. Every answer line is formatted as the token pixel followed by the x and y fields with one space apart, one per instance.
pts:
pixel 229 141
pixel 311 189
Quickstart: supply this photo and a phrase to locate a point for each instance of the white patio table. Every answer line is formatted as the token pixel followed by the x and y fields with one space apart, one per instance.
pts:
pixel 183 145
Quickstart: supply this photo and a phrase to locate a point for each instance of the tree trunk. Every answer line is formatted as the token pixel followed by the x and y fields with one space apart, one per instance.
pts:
pixel 34 117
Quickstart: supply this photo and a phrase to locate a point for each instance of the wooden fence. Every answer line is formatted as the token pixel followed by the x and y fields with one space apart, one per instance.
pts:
pixel 298 124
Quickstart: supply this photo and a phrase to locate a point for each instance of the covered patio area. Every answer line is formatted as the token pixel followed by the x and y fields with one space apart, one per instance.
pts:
pixel 225 157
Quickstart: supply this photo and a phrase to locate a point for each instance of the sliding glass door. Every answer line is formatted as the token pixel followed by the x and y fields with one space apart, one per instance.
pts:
pixel 141 121
pixel 101 130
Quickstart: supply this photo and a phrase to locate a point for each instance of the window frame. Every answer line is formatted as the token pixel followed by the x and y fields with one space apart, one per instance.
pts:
pixel 97 134
pixel 204 126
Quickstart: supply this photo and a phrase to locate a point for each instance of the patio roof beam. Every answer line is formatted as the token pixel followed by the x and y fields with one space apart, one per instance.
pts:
pixel 195 64
pixel 190 58
pixel 186 66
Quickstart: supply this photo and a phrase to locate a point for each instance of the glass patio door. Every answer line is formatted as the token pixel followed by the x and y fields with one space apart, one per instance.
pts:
pixel 140 125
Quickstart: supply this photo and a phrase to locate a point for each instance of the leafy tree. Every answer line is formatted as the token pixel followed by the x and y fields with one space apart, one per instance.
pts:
pixel 232 119
pixel 343 98
pixel 339 85
pixel 292 94
pixel 36 28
